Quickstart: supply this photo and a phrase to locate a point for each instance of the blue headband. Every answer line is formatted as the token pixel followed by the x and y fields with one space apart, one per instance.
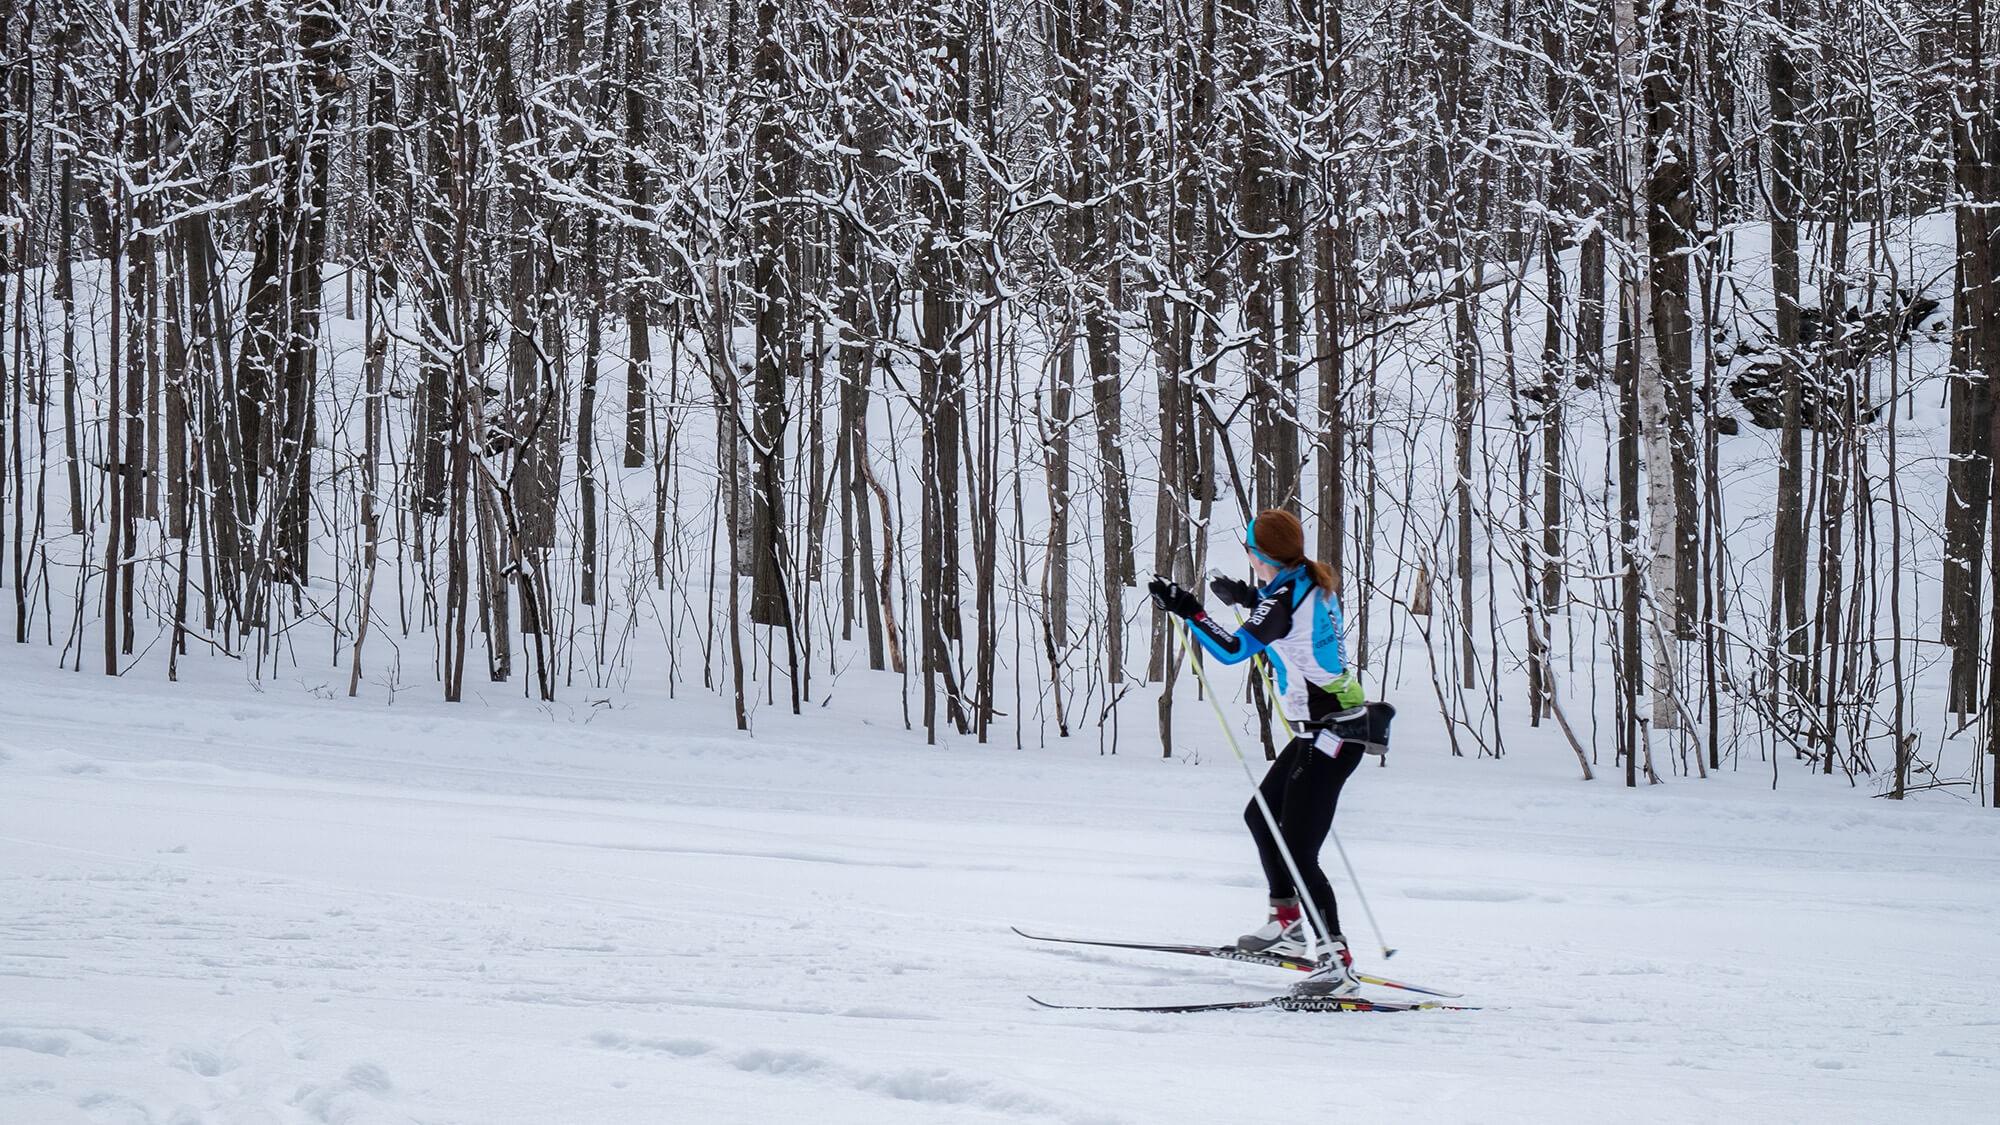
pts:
pixel 1250 544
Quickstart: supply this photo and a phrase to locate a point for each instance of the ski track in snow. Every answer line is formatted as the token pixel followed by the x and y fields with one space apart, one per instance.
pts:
pixel 220 906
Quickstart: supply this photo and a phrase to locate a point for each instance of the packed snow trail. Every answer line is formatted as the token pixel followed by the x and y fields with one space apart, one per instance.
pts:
pixel 220 904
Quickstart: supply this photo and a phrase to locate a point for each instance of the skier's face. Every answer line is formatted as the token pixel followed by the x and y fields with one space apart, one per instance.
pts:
pixel 1263 570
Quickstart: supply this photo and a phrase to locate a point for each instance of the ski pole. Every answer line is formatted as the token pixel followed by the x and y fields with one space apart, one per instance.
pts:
pixel 1257 795
pixel 1270 685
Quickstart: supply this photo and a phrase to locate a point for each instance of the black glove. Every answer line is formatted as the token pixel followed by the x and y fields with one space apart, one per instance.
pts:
pixel 1234 591
pixel 1170 597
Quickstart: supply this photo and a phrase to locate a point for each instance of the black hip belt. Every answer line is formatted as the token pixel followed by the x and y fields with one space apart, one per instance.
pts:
pixel 1367 724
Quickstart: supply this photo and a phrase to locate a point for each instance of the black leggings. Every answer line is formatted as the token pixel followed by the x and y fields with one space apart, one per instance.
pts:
pixel 1302 788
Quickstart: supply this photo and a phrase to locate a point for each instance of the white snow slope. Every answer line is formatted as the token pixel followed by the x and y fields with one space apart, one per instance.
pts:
pixel 225 905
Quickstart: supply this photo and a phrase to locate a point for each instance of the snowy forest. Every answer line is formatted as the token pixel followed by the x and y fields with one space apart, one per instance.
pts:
pixel 1630 361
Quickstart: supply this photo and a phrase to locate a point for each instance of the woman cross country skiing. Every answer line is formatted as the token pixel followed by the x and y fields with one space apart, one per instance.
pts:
pixel 1295 623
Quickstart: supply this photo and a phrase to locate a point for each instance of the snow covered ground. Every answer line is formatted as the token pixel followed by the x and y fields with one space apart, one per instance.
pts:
pixel 219 904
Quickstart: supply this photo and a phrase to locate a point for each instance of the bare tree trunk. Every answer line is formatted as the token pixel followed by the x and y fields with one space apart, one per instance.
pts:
pixel 1661 210
pixel 1788 557
pixel 67 251
pixel 380 281
pixel 638 188
pixel 1332 269
pixel 1630 675
pixel 771 179
pixel 1975 352
pixel 941 370
pixel 867 299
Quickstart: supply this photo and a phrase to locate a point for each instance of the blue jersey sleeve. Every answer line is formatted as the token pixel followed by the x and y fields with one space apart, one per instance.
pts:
pixel 1270 620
